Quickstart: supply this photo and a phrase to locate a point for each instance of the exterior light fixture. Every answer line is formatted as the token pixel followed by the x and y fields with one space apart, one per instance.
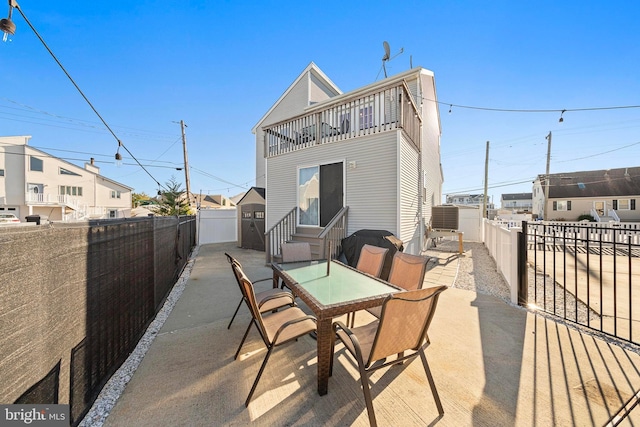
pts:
pixel 561 119
pixel 6 24
pixel 118 155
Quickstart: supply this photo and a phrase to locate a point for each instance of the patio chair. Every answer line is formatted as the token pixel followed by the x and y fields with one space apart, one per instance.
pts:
pixel 407 272
pixel 372 344
pixel 371 261
pixel 295 251
pixel 276 329
pixel 268 300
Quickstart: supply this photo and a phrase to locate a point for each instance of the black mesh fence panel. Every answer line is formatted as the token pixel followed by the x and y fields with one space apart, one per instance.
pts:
pixel 81 296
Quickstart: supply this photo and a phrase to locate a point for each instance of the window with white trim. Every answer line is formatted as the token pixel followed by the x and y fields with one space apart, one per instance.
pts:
pixel 115 194
pixel 562 205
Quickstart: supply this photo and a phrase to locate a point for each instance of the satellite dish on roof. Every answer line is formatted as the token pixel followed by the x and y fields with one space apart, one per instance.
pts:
pixel 387 51
pixel 387 55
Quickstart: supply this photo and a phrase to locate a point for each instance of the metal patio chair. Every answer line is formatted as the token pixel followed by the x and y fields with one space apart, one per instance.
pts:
pixel 276 329
pixel 268 300
pixel 370 261
pixel 407 272
pixel 371 345
pixel 293 252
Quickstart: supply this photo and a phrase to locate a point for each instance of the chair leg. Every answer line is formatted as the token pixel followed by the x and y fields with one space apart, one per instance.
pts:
pixel 234 314
pixel 364 379
pixel 255 383
pixel 242 342
pixel 432 384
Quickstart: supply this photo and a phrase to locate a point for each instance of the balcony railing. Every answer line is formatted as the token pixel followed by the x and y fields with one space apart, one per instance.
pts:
pixel 383 110
pixel 50 199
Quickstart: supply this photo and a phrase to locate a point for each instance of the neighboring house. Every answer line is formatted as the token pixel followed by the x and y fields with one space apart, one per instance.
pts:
pixel 375 150
pixel 519 202
pixel 33 182
pixel 472 200
pixel 606 195
pixel 216 201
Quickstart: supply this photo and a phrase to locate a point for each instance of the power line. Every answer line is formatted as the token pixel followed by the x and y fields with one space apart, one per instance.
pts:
pixel 120 144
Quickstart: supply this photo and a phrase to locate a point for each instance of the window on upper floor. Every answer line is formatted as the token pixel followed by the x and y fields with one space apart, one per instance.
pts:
pixel 1 172
pixel 115 194
pixel 64 171
pixel 69 190
pixel 36 164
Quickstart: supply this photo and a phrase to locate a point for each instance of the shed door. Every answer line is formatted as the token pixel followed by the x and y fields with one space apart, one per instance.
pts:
pixel 252 225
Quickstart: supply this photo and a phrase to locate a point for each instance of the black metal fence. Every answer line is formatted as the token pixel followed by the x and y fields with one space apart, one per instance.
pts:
pixel 587 273
pixel 76 299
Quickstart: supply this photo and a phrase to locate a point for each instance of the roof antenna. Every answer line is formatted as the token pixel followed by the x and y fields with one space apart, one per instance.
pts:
pixel 387 56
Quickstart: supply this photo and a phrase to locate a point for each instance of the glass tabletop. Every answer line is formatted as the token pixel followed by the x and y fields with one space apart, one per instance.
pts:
pixel 341 284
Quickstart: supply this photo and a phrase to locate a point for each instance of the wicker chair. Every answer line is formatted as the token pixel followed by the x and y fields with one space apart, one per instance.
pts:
pixel 371 261
pixel 372 344
pixel 276 329
pixel 295 251
pixel 407 271
pixel 268 300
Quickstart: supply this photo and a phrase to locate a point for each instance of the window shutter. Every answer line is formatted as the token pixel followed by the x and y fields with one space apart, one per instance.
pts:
pixel 569 205
pixel 555 206
pixel 615 205
pixel 633 204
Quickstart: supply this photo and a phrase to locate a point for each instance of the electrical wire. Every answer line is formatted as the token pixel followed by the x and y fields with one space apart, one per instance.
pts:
pixel 120 144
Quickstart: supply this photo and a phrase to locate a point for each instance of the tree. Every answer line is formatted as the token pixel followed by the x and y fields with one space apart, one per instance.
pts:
pixel 137 199
pixel 173 201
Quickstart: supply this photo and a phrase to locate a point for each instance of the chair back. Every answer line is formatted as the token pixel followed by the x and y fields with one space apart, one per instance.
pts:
pixel 371 259
pixel 407 271
pixel 295 251
pixel 404 322
pixel 250 294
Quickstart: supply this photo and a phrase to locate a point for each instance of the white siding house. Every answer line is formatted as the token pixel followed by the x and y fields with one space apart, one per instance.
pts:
pixel 375 150
pixel 33 182
pixel 605 195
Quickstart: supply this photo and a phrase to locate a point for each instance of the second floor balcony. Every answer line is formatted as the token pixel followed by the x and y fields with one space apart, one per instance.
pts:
pixel 49 199
pixel 384 109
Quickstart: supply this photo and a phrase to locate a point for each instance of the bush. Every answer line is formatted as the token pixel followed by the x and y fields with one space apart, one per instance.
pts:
pixel 586 217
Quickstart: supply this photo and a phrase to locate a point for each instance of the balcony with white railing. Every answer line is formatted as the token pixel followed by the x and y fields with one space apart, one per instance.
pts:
pixel 382 110
pixel 50 199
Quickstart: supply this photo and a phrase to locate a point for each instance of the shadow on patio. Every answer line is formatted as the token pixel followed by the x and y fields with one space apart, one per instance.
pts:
pixel 493 364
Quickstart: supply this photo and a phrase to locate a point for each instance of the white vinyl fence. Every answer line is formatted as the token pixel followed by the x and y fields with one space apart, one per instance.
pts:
pixel 217 226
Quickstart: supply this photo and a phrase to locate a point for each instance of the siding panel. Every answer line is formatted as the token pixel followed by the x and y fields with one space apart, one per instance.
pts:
pixel 370 187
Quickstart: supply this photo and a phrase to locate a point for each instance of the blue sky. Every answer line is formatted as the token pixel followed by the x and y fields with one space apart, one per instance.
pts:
pixel 220 65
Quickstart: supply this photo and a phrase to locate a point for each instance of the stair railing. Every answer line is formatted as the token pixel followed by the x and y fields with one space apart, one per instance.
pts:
pixel 332 235
pixel 279 233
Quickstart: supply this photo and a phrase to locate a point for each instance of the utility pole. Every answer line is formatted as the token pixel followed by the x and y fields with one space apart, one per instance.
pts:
pixel 486 183
pixel 186 162
pixel 546 187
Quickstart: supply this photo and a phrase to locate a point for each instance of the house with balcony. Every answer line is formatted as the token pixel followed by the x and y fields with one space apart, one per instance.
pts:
pixel 606 195
pixel 33 182
pixel 364 159
pixel 516 202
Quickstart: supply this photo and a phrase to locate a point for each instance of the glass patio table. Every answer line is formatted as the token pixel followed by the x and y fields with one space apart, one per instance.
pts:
pixel 330 291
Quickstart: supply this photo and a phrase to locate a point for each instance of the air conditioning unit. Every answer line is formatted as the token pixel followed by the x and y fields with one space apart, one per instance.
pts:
pixel 444 217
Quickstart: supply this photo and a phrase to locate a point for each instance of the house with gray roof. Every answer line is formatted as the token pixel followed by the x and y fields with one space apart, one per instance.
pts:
pixel 606 195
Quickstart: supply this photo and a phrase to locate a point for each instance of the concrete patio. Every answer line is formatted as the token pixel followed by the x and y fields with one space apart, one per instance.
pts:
pixel 494 365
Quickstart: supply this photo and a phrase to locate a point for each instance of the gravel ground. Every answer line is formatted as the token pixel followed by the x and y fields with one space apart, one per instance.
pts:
pixel 477 271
